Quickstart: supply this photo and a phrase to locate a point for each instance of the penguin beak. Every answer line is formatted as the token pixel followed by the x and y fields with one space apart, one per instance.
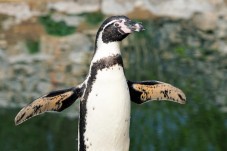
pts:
pixel 134 26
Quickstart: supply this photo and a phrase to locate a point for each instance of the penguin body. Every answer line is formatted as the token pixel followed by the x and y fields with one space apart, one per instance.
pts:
pixel 105 95
pixel 107 112
pixel 106 98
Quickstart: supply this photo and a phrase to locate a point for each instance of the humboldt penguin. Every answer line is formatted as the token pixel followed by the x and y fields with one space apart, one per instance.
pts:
pixel 105 95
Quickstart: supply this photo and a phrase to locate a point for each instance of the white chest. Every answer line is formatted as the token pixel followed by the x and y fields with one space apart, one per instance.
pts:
pixel 108 112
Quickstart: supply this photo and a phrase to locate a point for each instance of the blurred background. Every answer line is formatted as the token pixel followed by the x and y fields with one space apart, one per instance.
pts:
pixel 47 45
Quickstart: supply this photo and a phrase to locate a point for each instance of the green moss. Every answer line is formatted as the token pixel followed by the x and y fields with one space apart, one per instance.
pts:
pixel 93 19
pixel 56 28
pixel 33 46
pixel 181 51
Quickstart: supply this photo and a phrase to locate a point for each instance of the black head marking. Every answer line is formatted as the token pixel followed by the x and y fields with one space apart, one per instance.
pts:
pixel 111 34
pixel 113 31
pixel 112 18
pixel 116 28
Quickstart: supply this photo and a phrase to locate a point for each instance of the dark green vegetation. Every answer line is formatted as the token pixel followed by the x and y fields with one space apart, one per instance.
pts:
pixel 93 19
pixel 56 28
pixel 45 133
pixel 33 46
pixel 198 125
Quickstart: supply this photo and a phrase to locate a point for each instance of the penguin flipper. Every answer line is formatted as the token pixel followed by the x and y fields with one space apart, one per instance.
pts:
pixel 53 101
pixel 141 92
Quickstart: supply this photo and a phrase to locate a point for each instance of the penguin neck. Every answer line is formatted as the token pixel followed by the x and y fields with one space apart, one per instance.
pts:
pixel 103 50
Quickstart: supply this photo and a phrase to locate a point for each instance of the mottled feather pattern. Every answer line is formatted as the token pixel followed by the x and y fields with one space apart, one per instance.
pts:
pixel 54 101
pixel 155 90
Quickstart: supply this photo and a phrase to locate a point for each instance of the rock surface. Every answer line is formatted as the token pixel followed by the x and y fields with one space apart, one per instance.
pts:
pixel 163 8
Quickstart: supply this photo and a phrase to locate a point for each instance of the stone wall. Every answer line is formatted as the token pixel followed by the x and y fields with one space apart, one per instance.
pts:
pixel 36 58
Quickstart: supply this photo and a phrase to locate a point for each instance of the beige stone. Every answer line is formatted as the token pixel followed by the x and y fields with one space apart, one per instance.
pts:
pixel 205 21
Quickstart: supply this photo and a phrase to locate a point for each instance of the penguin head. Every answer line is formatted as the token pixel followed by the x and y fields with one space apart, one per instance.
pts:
pixel 116 28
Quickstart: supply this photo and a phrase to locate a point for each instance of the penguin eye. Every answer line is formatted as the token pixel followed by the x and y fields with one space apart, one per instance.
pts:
pixel 116 25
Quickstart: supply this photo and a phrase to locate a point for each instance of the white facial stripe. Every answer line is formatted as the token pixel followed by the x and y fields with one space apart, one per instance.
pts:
pixel 109 23
pixel 122 25
pixel 124 28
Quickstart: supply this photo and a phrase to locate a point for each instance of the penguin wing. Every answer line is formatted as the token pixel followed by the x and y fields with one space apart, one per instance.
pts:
pixel 141 92
pixel 53 101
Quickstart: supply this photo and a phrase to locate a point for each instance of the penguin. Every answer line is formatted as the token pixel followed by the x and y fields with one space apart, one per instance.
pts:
pixel 105 95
